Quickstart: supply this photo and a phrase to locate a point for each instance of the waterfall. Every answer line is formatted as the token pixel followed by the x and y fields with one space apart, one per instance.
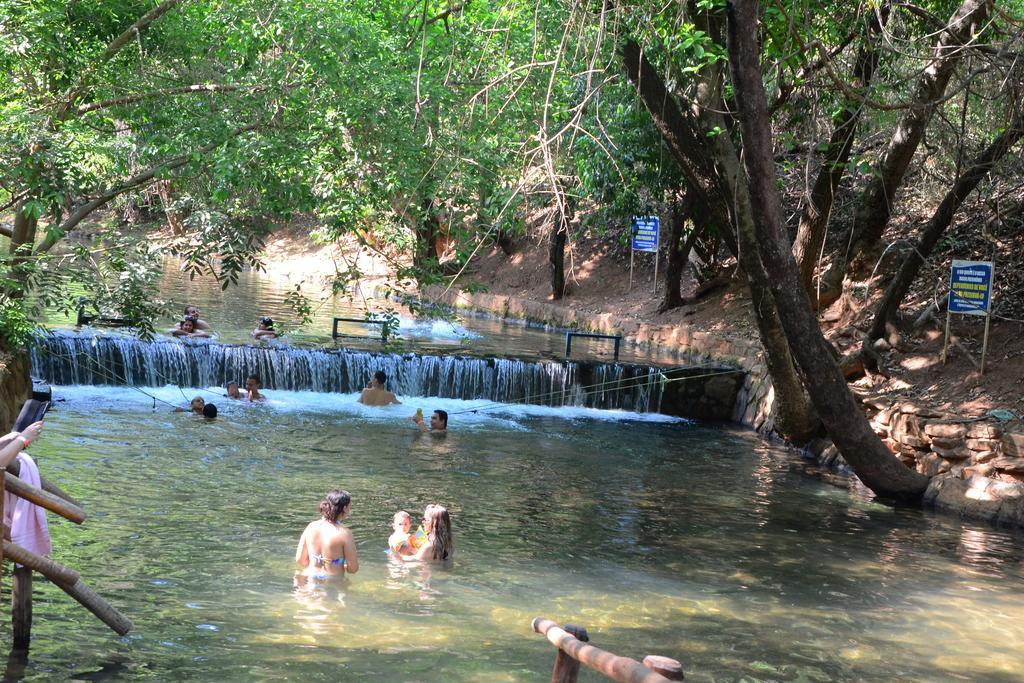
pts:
pixel 62 357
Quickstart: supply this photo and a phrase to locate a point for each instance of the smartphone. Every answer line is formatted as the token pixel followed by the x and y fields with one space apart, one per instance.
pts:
pixel 32 411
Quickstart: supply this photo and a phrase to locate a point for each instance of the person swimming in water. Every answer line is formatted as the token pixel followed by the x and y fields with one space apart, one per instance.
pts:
pixel 326 548
pixel 232 389
pixel 375 394
pixel 188 328
pixel 195 406
pixel 437 527
pixel 401 541
pixel 438 422
pixel 265 329
pixel 252 388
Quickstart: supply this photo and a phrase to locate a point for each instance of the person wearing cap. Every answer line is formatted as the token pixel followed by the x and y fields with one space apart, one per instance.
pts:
pixel 265 329
pixel 375 394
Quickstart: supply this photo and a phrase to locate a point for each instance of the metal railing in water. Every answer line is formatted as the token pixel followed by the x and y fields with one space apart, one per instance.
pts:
pixel 592 335
pixel 366 321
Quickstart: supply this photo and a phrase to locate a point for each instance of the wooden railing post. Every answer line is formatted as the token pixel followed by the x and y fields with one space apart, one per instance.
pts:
pixel 619 669
pixel 666 666
pixel 3 481
pixel 566 668
pixel 21 607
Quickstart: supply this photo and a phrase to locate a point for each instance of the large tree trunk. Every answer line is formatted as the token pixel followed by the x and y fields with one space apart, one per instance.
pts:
pixel 427 227
pixel 722 193
pixel 937 224
pixel 810 236
pixel 678 253
pixel 846 423
pixel 556 259
pixel 876 202
pixel 561 218
pixel 23 238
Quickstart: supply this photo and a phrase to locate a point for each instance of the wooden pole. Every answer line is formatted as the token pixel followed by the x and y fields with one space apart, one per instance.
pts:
pixel 567 669
pixel 54 571
pixel 3 481
pixel 102 609
pixel 945 341
pixel 657 257
pixel 666 666
pixel 44 500
pixel 619 669
pixel 21 607
pixel 631 252
pixel 984 343
pixel 14 467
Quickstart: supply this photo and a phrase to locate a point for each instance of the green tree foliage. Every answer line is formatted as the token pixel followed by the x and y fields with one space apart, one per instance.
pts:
pixel 407 125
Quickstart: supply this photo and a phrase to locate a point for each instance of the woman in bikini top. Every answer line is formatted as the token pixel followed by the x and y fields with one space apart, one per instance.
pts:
pixel 326 547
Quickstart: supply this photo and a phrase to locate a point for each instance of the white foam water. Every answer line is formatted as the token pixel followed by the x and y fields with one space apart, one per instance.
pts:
pixel 462 414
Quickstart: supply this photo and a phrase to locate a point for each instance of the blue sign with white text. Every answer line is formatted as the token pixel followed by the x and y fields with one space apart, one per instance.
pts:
pixel 645 233
pixel 970 287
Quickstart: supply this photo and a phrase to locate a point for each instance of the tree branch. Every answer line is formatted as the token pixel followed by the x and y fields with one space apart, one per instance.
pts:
pixel 434 19
pixel 113 48
pixel 144 21
pixel 184 90
pixel 138 180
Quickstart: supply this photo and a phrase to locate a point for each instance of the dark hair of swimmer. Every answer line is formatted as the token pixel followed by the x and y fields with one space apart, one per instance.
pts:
pixel 210 410
pixel 381 378
pixel 268 321
pixel 443 416
pixel 255 377
pixel 333 504
pixel 437 521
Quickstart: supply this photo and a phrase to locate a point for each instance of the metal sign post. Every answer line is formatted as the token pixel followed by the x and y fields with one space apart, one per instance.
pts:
pixel 970 293
pixel 646 230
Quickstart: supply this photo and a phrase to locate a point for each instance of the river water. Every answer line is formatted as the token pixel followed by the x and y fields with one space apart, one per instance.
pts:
pixel 658 535
pixel 233 314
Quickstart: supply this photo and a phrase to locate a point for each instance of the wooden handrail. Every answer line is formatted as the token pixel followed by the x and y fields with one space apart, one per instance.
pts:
pixel 14 467
pixel 619 669
pixel 55 572
pixel 43 499
pixel 100 608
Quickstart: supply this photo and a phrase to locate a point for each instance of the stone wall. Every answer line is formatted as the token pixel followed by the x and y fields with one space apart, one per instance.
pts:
pixel 711 396
pixel 933 442
pixel 976 463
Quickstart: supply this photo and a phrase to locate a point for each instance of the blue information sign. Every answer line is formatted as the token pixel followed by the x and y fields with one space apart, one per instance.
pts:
pixel 970 287
pixel 645 233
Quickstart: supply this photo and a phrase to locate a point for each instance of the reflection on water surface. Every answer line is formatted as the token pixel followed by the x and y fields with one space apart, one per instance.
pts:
pixel 659 536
